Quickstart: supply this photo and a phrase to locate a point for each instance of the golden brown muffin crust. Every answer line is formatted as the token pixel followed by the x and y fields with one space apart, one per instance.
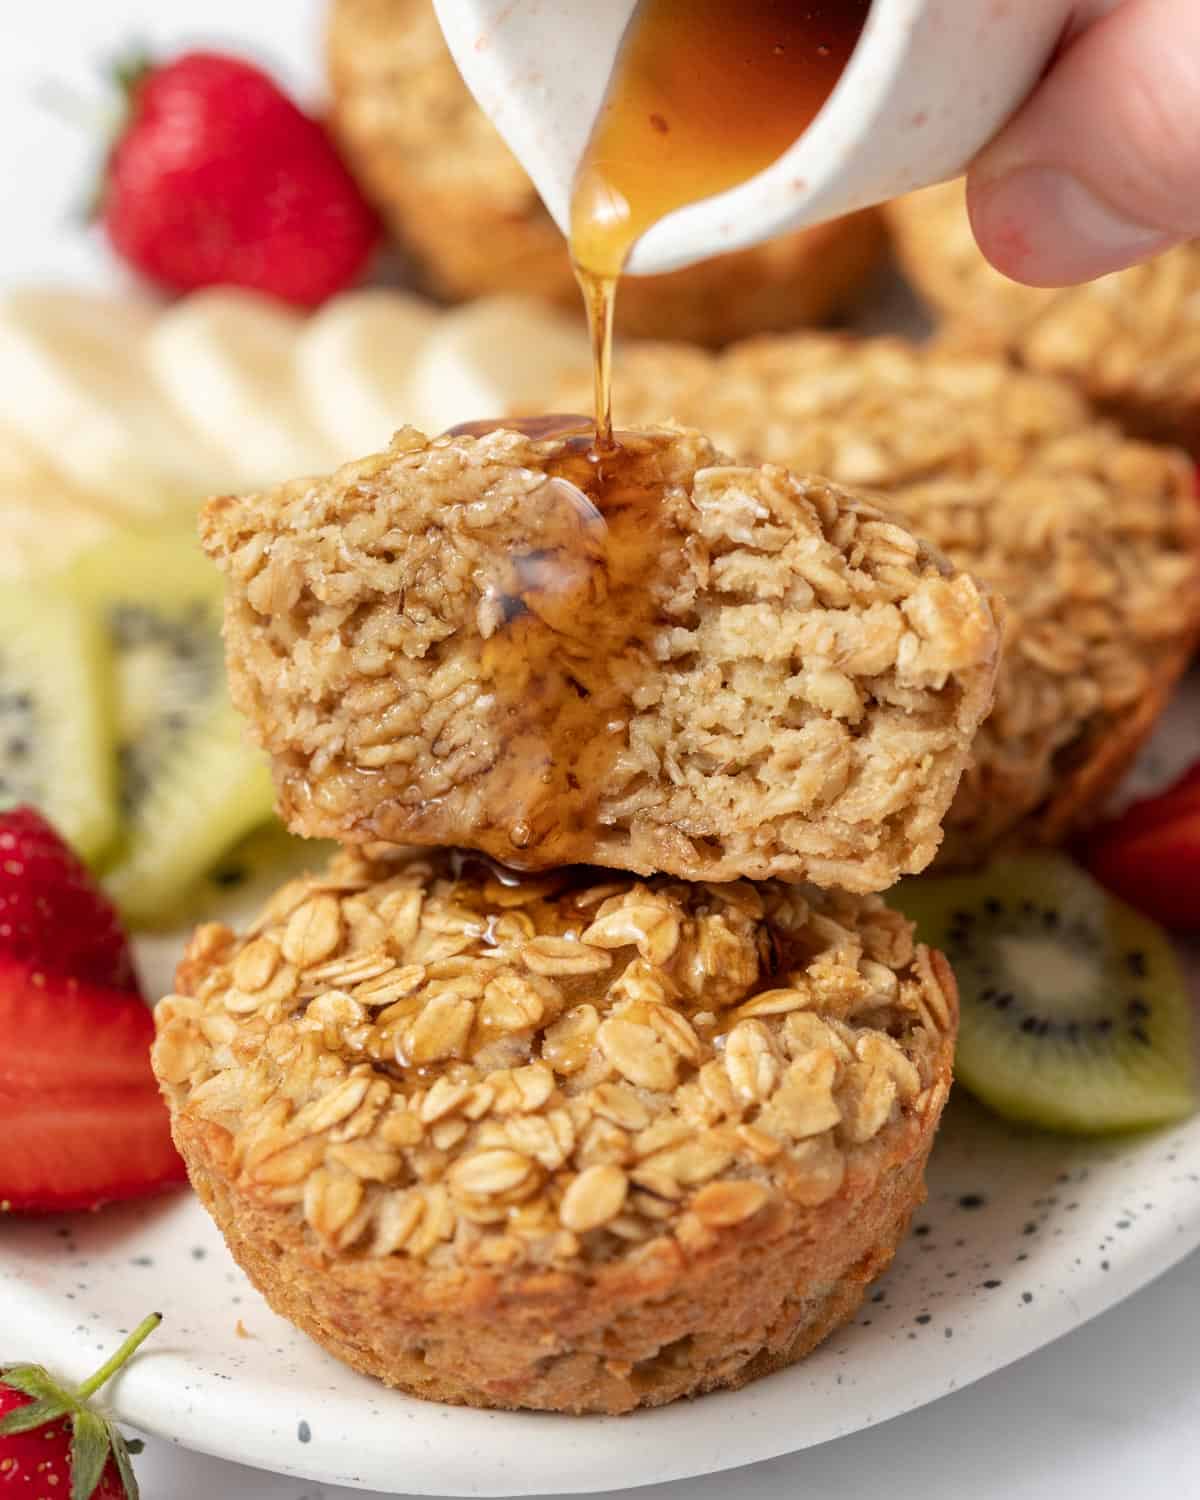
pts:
pixel 721 672
pixel 1130 341
pixel 581 1142
pixel 457 198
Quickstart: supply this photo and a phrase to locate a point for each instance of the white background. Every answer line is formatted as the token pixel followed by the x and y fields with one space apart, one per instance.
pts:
pixel 1111 1412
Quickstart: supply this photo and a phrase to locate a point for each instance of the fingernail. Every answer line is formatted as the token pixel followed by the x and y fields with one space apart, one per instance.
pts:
pixel 1047 227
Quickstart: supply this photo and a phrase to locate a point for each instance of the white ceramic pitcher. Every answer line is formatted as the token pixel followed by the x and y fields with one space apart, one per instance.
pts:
pixel 928 85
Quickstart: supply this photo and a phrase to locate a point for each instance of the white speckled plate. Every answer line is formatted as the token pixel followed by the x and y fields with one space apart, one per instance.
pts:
pixel 1023 1238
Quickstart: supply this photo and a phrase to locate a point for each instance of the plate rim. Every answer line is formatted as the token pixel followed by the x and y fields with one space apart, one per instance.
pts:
pixel 597 1446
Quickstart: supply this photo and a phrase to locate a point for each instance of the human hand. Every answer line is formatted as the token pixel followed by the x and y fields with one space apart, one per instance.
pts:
pixel 1100 168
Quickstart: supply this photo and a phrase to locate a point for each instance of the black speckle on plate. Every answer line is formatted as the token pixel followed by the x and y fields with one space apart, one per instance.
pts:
pixel 972 1200
pixel 304 1432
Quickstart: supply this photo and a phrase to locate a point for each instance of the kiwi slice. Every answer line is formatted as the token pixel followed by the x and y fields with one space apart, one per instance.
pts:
pixel 189 782
pixel 54 715
pixel 1075 1011
pixel 245 875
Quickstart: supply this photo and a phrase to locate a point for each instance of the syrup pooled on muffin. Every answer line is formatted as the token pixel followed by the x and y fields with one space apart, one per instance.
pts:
pixel 703 97
pixel 568 610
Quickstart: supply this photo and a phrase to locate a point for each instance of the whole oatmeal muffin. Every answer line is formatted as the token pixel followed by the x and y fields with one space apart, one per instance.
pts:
pixel 460 203
pixel 1090 538
pixel 575 1143
pixel 661 663
pixel 1131 341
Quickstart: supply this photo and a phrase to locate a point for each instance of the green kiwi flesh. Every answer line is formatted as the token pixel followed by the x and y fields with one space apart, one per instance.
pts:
pixel 55 715
pixel 189 782
pixel 1075 1010
pixel 245 876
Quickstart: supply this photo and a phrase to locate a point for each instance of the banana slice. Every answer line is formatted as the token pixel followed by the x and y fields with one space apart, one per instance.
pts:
pixel 41 532
pixel 226 358
pixel 497 355
pixel 354 365
pixel 44 518
pixel 74 382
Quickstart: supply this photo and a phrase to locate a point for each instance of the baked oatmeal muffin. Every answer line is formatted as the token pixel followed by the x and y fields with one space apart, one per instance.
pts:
pixel 661 663
pixel 1089 537
pixel 1131 341
pixel 460 203
pixel 575 1143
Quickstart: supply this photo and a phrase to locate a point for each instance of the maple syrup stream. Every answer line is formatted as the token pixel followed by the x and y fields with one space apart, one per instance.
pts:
pixel 704 95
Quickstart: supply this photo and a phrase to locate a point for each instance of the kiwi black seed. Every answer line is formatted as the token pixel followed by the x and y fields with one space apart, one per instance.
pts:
pixel 189 782
pixel 55 710
pixel 1075 1011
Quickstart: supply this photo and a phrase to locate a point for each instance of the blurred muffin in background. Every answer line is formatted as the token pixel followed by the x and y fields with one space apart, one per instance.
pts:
pixel 462 207
pixel 1130 341
pixel 1090 537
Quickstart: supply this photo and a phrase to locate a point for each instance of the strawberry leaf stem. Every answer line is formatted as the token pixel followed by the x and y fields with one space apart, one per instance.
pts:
pixel 94 1439
pixel 110 1366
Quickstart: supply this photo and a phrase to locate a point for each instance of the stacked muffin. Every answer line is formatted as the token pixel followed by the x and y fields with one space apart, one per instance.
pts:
pixel 497 1120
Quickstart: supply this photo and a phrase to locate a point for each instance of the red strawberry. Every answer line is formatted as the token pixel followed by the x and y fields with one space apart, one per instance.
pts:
pixel 218 178
pixel 52 913
pixel 81 1119
pixel 51 1442
pixel 1150 855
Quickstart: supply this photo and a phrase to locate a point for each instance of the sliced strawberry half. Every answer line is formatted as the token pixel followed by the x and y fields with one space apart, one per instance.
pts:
pixel 64 1151
pixel 81 1119
pixel 1150 855
pixel 51 910
pixel 58 1033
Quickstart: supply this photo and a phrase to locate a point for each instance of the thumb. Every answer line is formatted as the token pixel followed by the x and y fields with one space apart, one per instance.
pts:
pixel 1101 167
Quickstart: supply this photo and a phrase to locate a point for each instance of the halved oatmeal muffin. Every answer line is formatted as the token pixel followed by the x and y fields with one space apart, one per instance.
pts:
pixel 1130 341
pixel 579 1142
pixel 1092 540
pixel 664 662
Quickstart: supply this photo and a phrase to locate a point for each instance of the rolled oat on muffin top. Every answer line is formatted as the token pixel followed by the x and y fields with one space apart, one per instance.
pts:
pixel 662 663
pixel 1091 539
pixel 1130 341
pixel 577 1142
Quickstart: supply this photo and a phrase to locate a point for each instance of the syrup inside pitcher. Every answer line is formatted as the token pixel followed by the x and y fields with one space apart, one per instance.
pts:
pixel 703 96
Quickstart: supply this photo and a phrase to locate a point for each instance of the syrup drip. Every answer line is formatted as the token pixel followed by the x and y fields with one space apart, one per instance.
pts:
pixel 704 95
pixel 573 594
